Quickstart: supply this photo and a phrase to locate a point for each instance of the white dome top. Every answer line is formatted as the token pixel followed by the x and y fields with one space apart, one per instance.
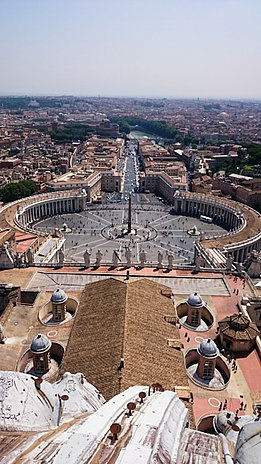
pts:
pixel 248 444
pixel 40 344
pixel 195 300
pixel 208 348
pixel 58 296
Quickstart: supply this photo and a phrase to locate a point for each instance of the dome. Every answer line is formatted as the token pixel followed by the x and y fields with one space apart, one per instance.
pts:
pixel 239 322
pixel 208 348
pixel 195 300
pixel 40 344
pixel 248 444
pixel 58 296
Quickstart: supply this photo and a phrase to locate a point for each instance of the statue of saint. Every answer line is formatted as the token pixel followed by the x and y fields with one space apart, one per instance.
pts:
pixel 143 258
pixel 115 258
pixel 170 261
pixel 87 258
pixel 30 256
pixel 60 257
pixel 199 262
pixel 99 256
pixel 229 263
pixel 160 259
pixel 128 257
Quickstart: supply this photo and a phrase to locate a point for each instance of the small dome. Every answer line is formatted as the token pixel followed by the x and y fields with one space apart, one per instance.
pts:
pixel 208 348
pixel 58 296
pixel 195 300
pixel 40 344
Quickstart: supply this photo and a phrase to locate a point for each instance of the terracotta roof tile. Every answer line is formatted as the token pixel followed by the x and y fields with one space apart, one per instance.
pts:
pixel 124 319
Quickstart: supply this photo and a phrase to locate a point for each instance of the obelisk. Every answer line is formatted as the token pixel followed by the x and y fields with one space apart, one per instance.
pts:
pixel 129 216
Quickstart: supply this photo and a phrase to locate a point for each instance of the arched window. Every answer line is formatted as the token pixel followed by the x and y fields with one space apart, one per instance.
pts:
pixel 208 369
pixel 194 317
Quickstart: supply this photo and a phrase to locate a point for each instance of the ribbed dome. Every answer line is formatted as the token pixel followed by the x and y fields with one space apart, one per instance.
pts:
pixel 40 344
pixel 195 300
pixel 239 322
pixel 208 348
pixel 58 296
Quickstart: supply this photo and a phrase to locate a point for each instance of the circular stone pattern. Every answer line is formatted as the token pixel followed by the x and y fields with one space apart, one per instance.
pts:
pixel 138 233
pixel 154 228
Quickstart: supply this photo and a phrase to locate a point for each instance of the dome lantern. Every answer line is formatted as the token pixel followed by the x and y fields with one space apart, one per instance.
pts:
pixel 58 300
pixel 208 353
pixel 40 349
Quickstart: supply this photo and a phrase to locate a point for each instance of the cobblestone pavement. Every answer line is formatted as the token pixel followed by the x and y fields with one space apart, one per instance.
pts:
pixel 154 230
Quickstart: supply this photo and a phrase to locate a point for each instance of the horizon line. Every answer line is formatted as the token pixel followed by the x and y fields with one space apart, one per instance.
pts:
pixel 150 97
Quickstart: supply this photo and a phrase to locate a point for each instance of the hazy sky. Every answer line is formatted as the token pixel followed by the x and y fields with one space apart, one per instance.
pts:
pixel 171 48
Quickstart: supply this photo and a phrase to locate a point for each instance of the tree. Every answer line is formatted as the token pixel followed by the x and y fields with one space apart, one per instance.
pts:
pixel 16 190
pixel 124 127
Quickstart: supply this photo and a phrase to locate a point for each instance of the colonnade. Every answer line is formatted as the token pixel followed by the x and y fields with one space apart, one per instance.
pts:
pixel 224 214
pixel 240 251
pixel 50 205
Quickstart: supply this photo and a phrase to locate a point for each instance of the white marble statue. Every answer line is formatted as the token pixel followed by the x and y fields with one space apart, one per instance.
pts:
pixel 30 256
pixel 87 258
pixel 160 259
pixel 115 258
pixel 229 263
pixel 60 257
pixel 7 259
pixel 99 256
pixel 143 258
pixel 128 257
pixel 253 264
pixel 170 261
pixel 56 233
pixel 20 260
pixel 199 262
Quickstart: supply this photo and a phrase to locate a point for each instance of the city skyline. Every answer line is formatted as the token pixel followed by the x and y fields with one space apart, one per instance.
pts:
pixel 143 49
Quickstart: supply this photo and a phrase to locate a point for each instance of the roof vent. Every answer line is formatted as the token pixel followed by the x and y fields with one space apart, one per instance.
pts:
pixel 142 395
pixel 115 430
pixel 130 406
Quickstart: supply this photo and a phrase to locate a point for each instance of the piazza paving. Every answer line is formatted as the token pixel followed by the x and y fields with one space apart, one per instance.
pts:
pixel 154 230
